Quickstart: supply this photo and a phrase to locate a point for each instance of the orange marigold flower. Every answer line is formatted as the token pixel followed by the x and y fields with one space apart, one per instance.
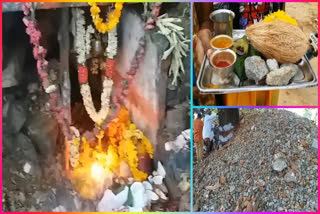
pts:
pixel 124 116
pixel 112 129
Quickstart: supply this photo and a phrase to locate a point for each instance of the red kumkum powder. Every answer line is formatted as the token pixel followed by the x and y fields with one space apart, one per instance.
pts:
pixel 222 64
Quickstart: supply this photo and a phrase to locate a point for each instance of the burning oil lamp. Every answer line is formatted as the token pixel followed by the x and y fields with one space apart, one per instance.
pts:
pixel 97 171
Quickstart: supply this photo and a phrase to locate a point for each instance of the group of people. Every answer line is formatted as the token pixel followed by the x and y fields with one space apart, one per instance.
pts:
pixel 204 134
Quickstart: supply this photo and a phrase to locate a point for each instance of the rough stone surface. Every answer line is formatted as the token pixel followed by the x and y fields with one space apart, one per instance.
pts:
pixel 16 115
pixel 279 162
pixel 272 64
pixel 255 68
pixel 290 177
pixel 15 48
pixel 176 163
pixel 281 76
pixel 254 185
pixel 177 119
pixel 299 73
pixel 12 74
pixel 150 82
pixel 43 131
pixel 20 148
pixel 315 144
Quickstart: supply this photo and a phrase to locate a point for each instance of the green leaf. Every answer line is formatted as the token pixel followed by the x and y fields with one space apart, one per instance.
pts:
pixel 253 51
pixel 239 68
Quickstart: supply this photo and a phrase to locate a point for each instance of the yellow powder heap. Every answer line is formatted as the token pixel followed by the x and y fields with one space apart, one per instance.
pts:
pixel 280 15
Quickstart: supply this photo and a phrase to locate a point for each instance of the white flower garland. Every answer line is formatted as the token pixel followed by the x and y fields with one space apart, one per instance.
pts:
pixel 74 147
pixel 83 37
pixel 100 116
pixel 74 153
pixel 90 30
pixel 82 46
pixel 112 44
pixel 79 37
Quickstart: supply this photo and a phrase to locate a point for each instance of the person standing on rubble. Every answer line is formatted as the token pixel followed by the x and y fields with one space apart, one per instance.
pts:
pixel 207 132
pixel 197 136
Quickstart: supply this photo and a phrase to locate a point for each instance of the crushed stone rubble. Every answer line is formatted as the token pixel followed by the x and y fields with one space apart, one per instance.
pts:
pixel 270 165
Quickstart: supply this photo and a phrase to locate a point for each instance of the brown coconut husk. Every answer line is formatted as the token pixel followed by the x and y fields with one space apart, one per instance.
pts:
pixel 278 40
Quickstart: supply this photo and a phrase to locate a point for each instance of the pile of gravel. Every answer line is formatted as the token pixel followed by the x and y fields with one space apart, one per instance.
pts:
pixel 270 165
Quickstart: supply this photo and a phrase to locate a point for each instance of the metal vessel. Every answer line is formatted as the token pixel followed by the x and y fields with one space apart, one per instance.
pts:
pixel 222 21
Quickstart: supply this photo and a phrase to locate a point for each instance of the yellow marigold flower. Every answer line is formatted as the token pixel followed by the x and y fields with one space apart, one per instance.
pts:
pixel 117 13
pixel 139 175
pixel 91 3
pixel 97 22
pixel 114 16
pixel 148 146
pixel 95 10
pixel 99 26
pixel 103 27
pixel 119 6
pixel 280 16
pixel 141 150
pixel 132 126
pixel 111 24
pixel 122 150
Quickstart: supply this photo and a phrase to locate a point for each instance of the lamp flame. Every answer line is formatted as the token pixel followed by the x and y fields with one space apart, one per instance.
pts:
pixel 97 172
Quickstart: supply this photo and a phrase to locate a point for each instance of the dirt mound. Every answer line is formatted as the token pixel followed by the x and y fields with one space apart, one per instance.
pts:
pixel 270 165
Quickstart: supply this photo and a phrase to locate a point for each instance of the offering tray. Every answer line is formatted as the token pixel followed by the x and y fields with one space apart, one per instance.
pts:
pixel 205 75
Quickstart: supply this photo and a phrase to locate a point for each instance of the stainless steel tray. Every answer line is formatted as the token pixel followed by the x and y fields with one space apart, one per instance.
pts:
pixel 204 78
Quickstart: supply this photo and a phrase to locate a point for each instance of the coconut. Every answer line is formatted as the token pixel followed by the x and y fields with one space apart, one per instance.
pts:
pixel 278 40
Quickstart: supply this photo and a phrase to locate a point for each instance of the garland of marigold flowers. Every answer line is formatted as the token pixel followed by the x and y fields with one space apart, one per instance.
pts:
pixel 113 17
pixel 128 152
